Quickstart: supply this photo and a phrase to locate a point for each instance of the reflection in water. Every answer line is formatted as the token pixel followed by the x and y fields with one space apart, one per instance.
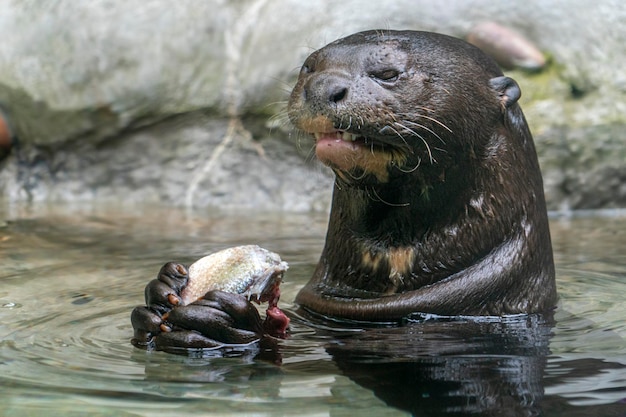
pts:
pixel 452 367
pixel 69 281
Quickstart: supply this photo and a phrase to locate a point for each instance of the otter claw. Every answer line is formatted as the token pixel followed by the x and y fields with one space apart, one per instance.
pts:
pixel 173 299
pixel 181 269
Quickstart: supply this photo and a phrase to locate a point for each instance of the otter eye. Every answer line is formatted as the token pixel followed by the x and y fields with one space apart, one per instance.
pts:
pixel 308 66
pixel 387 75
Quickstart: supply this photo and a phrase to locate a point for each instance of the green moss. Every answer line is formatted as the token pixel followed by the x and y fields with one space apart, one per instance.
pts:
pixel 543 85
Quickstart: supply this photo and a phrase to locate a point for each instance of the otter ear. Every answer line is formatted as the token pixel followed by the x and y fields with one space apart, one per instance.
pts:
pixel 507 89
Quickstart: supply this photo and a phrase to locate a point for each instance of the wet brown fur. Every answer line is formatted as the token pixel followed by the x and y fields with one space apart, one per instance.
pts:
pixel 443 212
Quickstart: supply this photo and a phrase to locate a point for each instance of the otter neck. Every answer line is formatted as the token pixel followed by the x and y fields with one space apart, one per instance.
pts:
pixel 390 215
pixel 371 241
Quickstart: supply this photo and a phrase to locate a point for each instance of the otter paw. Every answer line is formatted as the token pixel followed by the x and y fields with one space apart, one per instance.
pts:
pixel 146 324
pixel 163 293
pixel 221 317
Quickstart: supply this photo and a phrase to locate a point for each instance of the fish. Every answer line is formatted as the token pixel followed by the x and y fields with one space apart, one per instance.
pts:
pixel 249 270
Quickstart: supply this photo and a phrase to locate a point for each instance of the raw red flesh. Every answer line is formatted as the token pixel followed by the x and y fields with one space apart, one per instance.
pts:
pixel 276 322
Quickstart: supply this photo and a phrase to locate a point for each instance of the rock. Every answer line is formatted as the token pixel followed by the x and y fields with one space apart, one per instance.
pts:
pixel 583 175
pixel 168 163
pixel 105 96
pixel 507 47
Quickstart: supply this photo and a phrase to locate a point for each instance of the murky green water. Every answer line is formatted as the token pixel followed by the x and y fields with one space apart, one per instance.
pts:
pixel 70 279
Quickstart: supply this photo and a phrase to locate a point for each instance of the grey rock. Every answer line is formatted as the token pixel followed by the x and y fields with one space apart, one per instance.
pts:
pixel 200 161
pixel 105 97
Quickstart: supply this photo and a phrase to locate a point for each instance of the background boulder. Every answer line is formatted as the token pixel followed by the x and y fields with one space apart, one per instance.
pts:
pixel 182 103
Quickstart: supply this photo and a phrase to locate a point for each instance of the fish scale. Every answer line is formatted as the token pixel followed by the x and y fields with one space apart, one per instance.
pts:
pixel 248 270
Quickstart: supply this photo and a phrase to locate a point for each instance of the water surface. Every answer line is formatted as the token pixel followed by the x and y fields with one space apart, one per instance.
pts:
pixel 70 278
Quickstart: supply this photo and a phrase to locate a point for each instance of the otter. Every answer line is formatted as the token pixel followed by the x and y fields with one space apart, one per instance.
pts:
pixel 438 204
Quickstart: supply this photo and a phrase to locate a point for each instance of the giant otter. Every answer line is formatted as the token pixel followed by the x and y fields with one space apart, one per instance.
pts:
pixel 438 204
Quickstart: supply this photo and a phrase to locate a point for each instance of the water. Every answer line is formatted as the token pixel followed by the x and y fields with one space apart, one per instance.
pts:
pixel 70 278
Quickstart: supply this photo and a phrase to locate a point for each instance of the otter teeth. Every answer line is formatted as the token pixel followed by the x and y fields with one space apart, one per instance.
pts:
pixel 348 137
pixel 345 136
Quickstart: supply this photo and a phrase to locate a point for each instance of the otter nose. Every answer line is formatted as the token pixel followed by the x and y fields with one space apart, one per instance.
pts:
pixel 337 93
pixel 326 89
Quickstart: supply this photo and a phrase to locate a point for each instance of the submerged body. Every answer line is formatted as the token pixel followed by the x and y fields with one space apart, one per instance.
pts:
pixel 438 204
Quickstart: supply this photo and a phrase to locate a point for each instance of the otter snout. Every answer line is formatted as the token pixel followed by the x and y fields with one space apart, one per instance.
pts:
pixel 325 89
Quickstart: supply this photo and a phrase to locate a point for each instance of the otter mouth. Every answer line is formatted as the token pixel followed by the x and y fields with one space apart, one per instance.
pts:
pixel 341 149
pixel 351 140
pixel 354 154
pixel 340 135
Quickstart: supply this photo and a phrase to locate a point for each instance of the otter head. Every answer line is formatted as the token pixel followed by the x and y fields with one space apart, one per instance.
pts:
pixel 384 105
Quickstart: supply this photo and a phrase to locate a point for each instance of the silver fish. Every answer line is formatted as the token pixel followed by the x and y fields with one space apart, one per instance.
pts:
pixel 248 270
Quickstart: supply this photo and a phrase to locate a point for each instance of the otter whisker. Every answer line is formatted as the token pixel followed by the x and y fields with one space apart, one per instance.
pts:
pixel 369 195
pixel 357 177
pixel 408 171
pixel 310 155
pixel 282 103
pixel 398 134
pixel 414 133
pixel 280 119
pixel 372 148
pixel 310 152
pixel 408 117
pixel 432 118
pixel 426 129
pixel 387 203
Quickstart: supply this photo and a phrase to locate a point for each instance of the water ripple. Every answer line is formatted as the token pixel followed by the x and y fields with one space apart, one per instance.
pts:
pixel 68 286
